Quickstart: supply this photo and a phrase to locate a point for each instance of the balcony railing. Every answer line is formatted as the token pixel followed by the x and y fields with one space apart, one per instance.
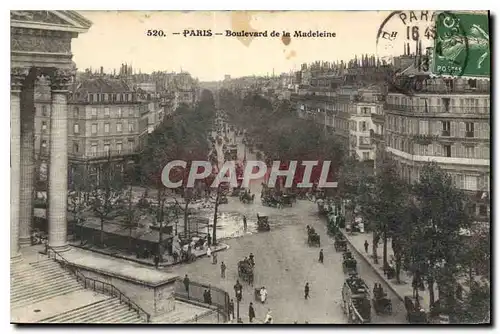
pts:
pixel 105 153
pixel 418 88
pixel 438 109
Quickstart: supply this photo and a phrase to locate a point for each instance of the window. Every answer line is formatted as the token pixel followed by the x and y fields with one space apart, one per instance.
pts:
pixel 130 144
pixel 106 127
pixel 106 147
pixel 119 147
pixel 447 150
pixel 106 112
pixel 483 210
pixel 469 152
pixel 106 96
pixel 76 128
pixel 366 156
pixel 446 104
pixel 446 128
pixel 94 149
pixel 131 112
pixel 120 112
pixel 44 126
pixel 469 130
pixel 94 112
pixel 472 83
pixel 44 144
pixel 363 126
pixel 94 129
pixel 91 98
pixel 471 182
pixel 118 127
pixel 44 111
pixel 365 110
pixel 423 127
pixel 130 127
pixel 76 112
pixel 76 147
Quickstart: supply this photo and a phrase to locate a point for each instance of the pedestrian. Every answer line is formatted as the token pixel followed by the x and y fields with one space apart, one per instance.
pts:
pixel 214 258
pixel 186 283
pixel 209 252
pixel 205 296
pixel 245 223
pixel 222 270
pixel 157 261
pixel 269 317
pixel 306 291
pixel 231 309
pixel 320 256
pixel 251 312
pixel 366 246
pixel 209 297
pixel 209 240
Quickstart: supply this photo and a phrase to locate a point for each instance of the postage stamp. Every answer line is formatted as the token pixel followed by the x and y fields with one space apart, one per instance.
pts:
pixel 462 45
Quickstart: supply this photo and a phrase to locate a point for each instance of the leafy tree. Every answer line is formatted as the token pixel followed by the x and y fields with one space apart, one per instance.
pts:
pixel 107 195
pixel 436 240
pixel 382 203
pixel 476 307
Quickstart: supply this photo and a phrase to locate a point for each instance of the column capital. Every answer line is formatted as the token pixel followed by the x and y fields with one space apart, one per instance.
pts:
pixel 17 77
pixel 60 79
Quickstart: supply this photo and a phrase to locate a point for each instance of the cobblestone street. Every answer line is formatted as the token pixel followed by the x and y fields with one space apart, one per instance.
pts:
pixel 284 263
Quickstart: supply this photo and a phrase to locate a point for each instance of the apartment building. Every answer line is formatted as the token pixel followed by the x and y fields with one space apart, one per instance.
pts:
pixel 446 121
pixel 366 117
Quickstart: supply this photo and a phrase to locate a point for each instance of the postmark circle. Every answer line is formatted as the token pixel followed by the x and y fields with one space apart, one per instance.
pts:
pixel 407 40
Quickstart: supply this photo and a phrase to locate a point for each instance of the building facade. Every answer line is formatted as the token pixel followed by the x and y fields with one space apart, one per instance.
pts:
pixel 446 121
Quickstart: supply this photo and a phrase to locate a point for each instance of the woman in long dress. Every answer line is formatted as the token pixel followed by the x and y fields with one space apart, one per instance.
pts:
pixel 263 294
pixel 269 318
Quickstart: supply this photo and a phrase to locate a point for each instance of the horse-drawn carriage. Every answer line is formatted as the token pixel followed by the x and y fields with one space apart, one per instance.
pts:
pixel 263 223
pixel 340 243
pixel 246 197
pixel 349 264
pixel 380 302
pixel 313 238
pixel 356 300
pixel 245 271
pixel 414 313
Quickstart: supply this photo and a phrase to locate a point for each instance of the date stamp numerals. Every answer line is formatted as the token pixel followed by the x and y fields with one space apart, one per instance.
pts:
pixel 155 33
pixel 413 33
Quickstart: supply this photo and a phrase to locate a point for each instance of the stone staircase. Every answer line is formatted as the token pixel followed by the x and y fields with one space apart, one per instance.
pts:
pixel 45 282
pixel 109 310
pixel 34 282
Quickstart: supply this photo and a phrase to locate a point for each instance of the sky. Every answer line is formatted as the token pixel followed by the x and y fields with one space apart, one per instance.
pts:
pixel 121 36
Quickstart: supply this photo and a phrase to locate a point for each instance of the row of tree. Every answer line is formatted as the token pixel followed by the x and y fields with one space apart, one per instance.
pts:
pixel 282 137
pixel 430 227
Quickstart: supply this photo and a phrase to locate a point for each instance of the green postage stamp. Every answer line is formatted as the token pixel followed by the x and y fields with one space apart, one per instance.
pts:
pixel 462 45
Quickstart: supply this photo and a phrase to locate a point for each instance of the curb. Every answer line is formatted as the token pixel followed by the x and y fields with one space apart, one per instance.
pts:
pixel 161 265
pixel 372 265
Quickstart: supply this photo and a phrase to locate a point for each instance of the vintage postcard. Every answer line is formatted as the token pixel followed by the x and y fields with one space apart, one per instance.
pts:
pixel 250 167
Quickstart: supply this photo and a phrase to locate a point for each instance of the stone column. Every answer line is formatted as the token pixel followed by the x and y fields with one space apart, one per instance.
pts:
pixel 27 161
pixel 58 169
pixel 18 75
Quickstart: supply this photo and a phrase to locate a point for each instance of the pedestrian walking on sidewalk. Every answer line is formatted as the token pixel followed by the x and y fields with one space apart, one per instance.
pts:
pixel 231 309
pixel 186 283
pixel 214 258
pixel 251 312
pixel 245 223
pixel 157 261
pixel 366 246
pixel 306 291
pixel 223 270
pixel 320 256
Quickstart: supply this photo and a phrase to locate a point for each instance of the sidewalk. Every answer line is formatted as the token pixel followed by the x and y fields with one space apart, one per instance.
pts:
pixel 149 262
pixel 357 240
